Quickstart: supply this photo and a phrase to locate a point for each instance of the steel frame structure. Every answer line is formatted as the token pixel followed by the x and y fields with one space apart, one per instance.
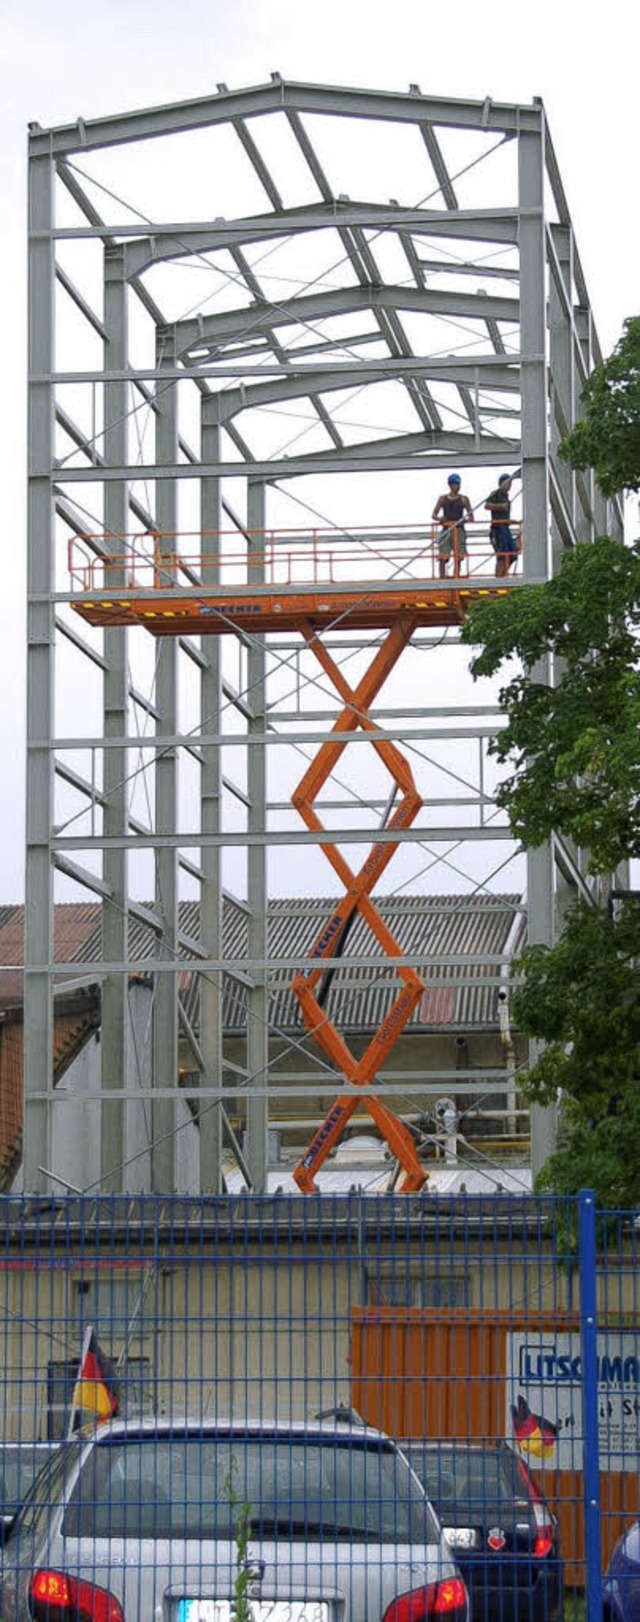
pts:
pixel 353 323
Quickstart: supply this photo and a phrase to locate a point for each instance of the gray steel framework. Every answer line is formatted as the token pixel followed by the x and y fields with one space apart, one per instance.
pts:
pixel 371 293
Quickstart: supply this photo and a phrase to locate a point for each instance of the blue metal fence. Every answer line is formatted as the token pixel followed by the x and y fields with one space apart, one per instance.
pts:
pixel 497 1339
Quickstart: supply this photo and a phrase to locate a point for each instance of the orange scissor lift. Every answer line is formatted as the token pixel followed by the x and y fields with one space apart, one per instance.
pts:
pixel 304 581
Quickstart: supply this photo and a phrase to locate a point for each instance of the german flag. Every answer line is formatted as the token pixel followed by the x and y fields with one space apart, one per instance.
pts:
pixel 533 1434
pixel 95 1394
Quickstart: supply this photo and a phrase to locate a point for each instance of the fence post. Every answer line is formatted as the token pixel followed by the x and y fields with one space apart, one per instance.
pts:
pixel 590 1416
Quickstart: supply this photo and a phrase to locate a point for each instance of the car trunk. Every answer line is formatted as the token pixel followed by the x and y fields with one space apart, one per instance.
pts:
pixel 187 1581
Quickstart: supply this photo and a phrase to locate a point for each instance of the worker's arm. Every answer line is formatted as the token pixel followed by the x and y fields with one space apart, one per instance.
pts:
pixel 437 507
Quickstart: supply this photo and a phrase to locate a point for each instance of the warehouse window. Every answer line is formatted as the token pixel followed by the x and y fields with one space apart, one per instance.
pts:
pixel 122 1307
pixel 448 1286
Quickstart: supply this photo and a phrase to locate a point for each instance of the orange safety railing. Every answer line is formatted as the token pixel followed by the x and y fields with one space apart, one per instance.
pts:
pixel 148 560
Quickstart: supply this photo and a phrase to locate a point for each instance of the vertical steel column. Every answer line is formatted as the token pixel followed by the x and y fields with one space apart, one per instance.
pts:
pixel 593 522
pixel 587 1253
pixel 533 344
pixel 38 1000
pixel 535 492
pixel 562 370
pixel 562 367
pixel 257 1002
pixel 165 1001
pixel 210 822
pixel 114 910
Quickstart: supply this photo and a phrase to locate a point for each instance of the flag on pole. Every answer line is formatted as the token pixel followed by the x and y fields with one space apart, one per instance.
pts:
pixel 95 1393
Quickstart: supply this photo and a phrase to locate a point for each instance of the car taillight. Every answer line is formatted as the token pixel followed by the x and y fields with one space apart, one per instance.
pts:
pixel 544 1532
pixel 56 1597
pixel 435 1599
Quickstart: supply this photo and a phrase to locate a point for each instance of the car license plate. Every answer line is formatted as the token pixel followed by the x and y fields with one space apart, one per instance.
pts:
pixel 260 1610
pixel 461 1537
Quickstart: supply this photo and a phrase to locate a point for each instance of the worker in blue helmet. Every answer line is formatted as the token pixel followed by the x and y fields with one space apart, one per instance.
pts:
pixel 451 509
pixel 501 535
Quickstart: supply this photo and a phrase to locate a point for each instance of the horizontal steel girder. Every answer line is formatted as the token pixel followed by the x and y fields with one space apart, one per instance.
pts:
pixel 291 836
pixel 490 371
pixel 172 118
pixel 411 451
pixel 177 241
pixel 258 317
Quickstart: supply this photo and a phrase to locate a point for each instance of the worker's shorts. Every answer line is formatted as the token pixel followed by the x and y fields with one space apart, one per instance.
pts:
pixel 446 548
pixel 502 539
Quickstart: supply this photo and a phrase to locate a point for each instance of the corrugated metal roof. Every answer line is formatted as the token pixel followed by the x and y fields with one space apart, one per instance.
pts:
pixel 431 928
pixel 73 923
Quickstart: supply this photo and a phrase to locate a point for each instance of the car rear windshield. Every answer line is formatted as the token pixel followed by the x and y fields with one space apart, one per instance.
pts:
pixel 471 1478
pixel 48 1490
pixel 274 1487
pixel 20 1463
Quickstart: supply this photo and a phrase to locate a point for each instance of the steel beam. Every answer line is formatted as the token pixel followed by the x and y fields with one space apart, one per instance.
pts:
pixel 336 378
pixel 502 370
pixel 165 991
pixel 210 1119
pixel 38 1003
pixel 294 836
pixel 148 123
pixel 535 494
pixel 257 839
pixel 562 376
pixel 308 308
pixel 176 740
pixel 115 1050
pixel 432 448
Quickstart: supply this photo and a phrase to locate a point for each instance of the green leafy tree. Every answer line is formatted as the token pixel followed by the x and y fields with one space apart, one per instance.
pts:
pixel 581 999
pixel 571 753
pixel 571 749
pixel 608 436
pixel 572 758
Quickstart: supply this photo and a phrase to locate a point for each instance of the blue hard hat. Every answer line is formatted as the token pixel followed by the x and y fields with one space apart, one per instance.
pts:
pixel 454 478
pixel 503 478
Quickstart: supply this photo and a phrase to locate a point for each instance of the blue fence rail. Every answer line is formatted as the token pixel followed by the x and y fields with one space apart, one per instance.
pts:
pixel 237 1346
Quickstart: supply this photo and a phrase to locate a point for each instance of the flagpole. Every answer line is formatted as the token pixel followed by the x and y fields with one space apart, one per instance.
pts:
pixel 85 1348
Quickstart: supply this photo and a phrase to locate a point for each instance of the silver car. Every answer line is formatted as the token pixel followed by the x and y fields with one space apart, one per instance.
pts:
pixel 166 1521
pixel 20 1463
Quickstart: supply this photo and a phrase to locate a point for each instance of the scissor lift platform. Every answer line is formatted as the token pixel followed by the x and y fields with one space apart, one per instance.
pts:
pixel 216 613
pixel 277 581
pixel 393 581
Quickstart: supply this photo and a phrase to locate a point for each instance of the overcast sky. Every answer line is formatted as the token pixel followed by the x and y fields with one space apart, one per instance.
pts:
pixel 72 59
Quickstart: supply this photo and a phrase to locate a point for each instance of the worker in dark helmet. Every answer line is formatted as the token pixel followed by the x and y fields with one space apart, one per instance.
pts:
pixel 451 508
pixel 501 535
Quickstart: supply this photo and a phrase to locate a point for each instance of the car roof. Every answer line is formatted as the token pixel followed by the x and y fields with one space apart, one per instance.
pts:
pixel 249 1425
pixel 451 1444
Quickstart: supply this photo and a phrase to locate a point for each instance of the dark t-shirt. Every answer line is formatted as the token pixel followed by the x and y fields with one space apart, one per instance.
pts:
pixel 451 509
pixel 500 507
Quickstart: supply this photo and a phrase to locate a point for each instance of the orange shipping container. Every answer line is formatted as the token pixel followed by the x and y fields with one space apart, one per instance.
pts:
pixel 448 1374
